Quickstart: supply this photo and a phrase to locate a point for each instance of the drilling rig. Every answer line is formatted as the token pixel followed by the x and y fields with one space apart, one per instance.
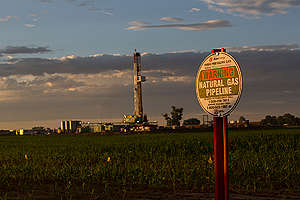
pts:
pixel 137 80
pixel 138 120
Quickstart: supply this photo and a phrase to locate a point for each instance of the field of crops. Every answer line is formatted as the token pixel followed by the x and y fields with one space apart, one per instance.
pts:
pixel 113 166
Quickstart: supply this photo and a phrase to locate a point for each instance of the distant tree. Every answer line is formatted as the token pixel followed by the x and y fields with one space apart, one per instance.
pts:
pixel 280 120
pixel 298 121
pixel 290 119
pixel 242 119
pixel 167 118
pixel 191 121
pixel 287 119
pixel 269 121
pixel 174 117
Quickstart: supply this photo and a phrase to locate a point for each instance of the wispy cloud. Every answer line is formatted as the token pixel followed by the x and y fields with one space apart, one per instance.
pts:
pixel 284 47
pixel 30 25
pixel 23 50
pixel 171 19
pixel 86 3
pixel 192 10
pixel 138 23
pixel 186 51
pixel 256 8
pixel 103 11
pixel 211 24
pixel 89 4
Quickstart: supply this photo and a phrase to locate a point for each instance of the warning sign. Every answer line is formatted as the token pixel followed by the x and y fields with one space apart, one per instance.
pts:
pixel 219 84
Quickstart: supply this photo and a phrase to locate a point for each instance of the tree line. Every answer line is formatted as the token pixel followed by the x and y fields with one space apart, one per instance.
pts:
pixel 284 120
pixel 176 114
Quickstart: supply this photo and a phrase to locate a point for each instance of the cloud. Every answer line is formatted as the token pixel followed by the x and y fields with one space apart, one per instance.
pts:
pixel 5 19
pixel 98 63
pixel 192 10
pixel 211 24
pixel 96 55
pixel 285 47
pixel 100 86
pixel 183 79
pixel 103 11
pixel 92 7
pixel 30 25
pixel 254 8
pixel 138 23
pixel 90 4
pixel 68 90
pixel 24 50
pixel 171 19
pixel 187 51
pixel 86 3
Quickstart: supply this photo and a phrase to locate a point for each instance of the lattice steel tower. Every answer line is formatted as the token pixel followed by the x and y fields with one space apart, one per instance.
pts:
pixel 138 79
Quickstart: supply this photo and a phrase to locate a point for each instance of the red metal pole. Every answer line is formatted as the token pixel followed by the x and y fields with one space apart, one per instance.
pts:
pixel 225 140
pixel 219 158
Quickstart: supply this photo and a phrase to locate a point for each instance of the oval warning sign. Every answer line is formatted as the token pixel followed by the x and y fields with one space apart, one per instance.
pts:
pixel 219 84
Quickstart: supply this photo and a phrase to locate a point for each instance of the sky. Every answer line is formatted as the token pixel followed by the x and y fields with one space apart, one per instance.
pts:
pixel 72 59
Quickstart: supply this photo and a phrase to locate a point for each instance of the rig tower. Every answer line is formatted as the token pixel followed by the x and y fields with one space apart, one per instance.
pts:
pixel 138 79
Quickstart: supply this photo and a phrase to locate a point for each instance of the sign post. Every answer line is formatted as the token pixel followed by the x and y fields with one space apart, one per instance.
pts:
pixel 225 142
pixel 219 158
pixel 219 88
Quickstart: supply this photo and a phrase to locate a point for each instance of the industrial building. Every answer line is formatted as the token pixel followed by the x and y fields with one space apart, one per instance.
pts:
pixel 69 126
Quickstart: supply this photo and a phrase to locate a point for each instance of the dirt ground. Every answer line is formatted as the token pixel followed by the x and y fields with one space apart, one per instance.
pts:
pixel 208 196
pixel 47 193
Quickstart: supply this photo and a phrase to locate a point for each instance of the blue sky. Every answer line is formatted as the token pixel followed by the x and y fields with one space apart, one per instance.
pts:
pixel 68 59
pixel 86 27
